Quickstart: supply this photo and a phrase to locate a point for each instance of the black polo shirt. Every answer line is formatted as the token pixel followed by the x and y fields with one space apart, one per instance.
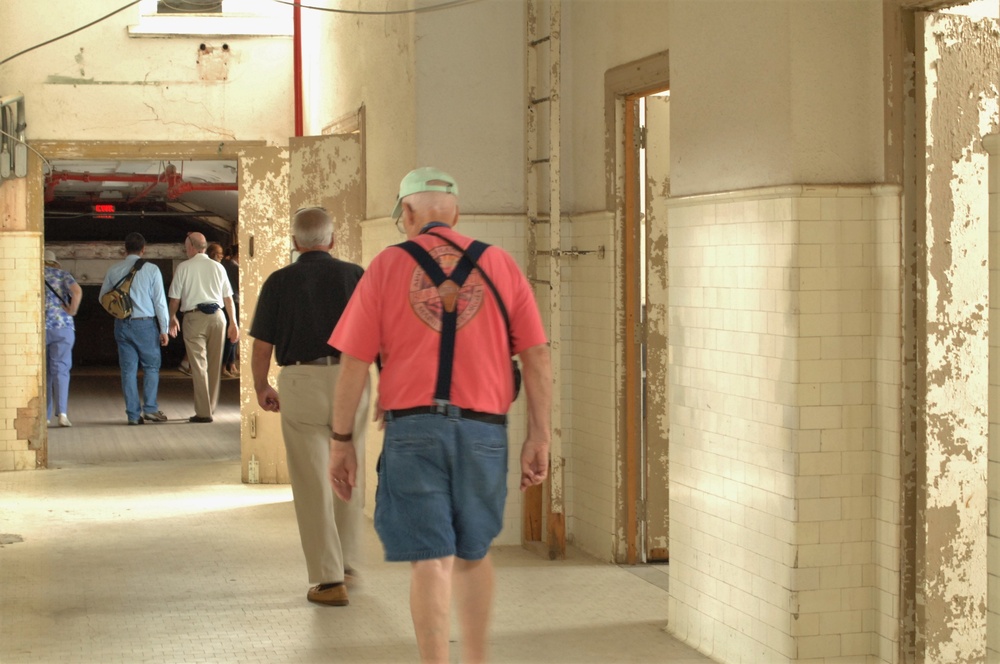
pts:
pixel 300 304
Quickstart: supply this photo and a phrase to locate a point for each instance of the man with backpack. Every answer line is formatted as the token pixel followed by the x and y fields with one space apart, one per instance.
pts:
pixel 445 343
pixel 140 335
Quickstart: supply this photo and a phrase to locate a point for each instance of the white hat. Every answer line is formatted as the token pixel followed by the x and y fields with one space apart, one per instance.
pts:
pixel 50 257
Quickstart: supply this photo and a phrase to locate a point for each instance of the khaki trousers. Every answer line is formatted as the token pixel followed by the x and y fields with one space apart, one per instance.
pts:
pixel 328 527
pixel 203 337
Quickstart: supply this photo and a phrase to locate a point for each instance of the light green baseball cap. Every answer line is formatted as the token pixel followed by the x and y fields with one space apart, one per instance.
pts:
pixel 421 179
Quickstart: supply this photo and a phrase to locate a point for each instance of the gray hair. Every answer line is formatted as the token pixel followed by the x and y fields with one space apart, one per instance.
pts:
pixel 312 227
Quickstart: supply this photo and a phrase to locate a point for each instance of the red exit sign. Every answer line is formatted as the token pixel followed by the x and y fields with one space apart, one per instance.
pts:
pixel 104 211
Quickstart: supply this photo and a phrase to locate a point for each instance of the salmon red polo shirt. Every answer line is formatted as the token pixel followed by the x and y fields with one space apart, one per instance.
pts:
pixel 395 313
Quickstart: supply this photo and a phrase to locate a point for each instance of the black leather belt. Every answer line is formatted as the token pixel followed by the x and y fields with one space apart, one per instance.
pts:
pixel 327 361
pixel 451 411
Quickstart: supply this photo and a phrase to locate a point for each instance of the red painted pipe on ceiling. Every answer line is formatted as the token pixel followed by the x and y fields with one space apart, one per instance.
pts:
pixel 297 65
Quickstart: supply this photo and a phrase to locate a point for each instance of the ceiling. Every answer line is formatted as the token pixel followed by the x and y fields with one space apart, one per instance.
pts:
pixel 104 200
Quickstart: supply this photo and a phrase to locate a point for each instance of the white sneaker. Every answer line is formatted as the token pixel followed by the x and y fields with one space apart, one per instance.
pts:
pixel 64 421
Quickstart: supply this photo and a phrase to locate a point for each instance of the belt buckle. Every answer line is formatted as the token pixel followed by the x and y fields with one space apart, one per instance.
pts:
pixel 440 407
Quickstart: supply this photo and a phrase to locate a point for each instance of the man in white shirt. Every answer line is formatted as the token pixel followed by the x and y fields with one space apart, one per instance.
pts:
pixel 200 289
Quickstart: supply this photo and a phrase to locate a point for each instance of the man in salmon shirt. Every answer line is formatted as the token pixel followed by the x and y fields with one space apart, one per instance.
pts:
pixel 446 384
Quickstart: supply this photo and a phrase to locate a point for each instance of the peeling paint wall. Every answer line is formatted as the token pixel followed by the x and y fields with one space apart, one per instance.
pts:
pixel 960 101
pixel 657 420
pixel 326 171
pixel 265 247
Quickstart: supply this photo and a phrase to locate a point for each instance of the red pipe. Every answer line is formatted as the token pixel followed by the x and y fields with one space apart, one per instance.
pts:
pixel 176 184
pixel 297 65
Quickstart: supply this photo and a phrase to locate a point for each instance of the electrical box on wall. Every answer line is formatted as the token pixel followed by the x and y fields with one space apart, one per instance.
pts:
pixel 13 149
pixel 213 63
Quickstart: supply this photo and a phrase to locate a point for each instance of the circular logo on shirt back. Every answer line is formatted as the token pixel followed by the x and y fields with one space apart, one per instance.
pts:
pixel 426 300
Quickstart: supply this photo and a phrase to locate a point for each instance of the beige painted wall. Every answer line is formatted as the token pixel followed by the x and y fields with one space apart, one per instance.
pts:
pixel 776 93
pixel 350 61
pixel 597 36
pixel 469 101
pixel 101 84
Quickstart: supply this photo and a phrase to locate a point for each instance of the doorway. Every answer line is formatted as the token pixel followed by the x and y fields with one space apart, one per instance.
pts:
pixel 637 113
pixel 89 196
pixel 647 187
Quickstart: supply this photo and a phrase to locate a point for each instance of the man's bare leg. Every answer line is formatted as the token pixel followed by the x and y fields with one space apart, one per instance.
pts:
pixel 430 607
pixel 474 600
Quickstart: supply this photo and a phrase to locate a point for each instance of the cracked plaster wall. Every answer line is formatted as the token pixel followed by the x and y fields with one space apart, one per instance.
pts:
pixel 101 84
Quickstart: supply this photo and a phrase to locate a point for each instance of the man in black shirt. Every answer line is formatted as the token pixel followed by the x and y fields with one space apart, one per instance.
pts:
pixel 298 307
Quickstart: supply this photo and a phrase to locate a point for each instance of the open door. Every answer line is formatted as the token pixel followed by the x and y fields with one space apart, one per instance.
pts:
pixel 656 399
pixel 274 182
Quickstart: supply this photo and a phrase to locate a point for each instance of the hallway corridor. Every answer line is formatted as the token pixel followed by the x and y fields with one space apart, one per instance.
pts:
pixel 140 544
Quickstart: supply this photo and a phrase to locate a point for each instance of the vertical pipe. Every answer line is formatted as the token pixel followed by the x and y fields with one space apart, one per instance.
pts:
pixel 297 64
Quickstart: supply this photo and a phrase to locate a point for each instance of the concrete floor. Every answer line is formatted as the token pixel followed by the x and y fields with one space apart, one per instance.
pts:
pixel 174 560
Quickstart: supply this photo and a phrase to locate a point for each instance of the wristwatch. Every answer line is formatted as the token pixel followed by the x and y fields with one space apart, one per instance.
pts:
pixel 343 437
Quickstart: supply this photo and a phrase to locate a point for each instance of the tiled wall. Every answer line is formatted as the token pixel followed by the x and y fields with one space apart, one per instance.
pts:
pixel 22 400
pixel 784 408
pixel 590 326
pixel 886 430
pixel 992 144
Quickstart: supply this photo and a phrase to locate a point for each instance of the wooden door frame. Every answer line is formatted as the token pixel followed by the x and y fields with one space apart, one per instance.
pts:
pixel 624 85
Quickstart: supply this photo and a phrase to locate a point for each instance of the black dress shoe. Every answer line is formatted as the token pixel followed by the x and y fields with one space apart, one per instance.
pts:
pixel 199 420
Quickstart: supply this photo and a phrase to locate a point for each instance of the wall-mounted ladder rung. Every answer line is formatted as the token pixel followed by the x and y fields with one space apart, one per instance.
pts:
pixel 542 190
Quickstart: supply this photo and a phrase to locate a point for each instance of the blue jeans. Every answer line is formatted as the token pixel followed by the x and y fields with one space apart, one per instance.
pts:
pixel 442 483
pixel 59 360
pixel 139 345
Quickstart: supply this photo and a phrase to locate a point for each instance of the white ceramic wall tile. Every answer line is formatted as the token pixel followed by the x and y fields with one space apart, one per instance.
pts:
pixel 993 547
pixel 778 452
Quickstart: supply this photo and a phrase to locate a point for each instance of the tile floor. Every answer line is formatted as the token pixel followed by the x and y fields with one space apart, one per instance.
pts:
pixel 176 561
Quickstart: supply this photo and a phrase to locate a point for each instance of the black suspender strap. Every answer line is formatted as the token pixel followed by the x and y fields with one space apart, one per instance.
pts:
pixel 515 369
pixel 448 288
pixel 489 282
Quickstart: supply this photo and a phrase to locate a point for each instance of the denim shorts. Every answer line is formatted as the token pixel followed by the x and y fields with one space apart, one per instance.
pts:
pixel 442 483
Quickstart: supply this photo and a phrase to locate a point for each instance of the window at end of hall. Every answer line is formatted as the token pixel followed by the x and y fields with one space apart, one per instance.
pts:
pixel 212 18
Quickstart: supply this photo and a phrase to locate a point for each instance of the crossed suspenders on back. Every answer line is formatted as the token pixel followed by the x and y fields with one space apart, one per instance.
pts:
pixel 448 288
